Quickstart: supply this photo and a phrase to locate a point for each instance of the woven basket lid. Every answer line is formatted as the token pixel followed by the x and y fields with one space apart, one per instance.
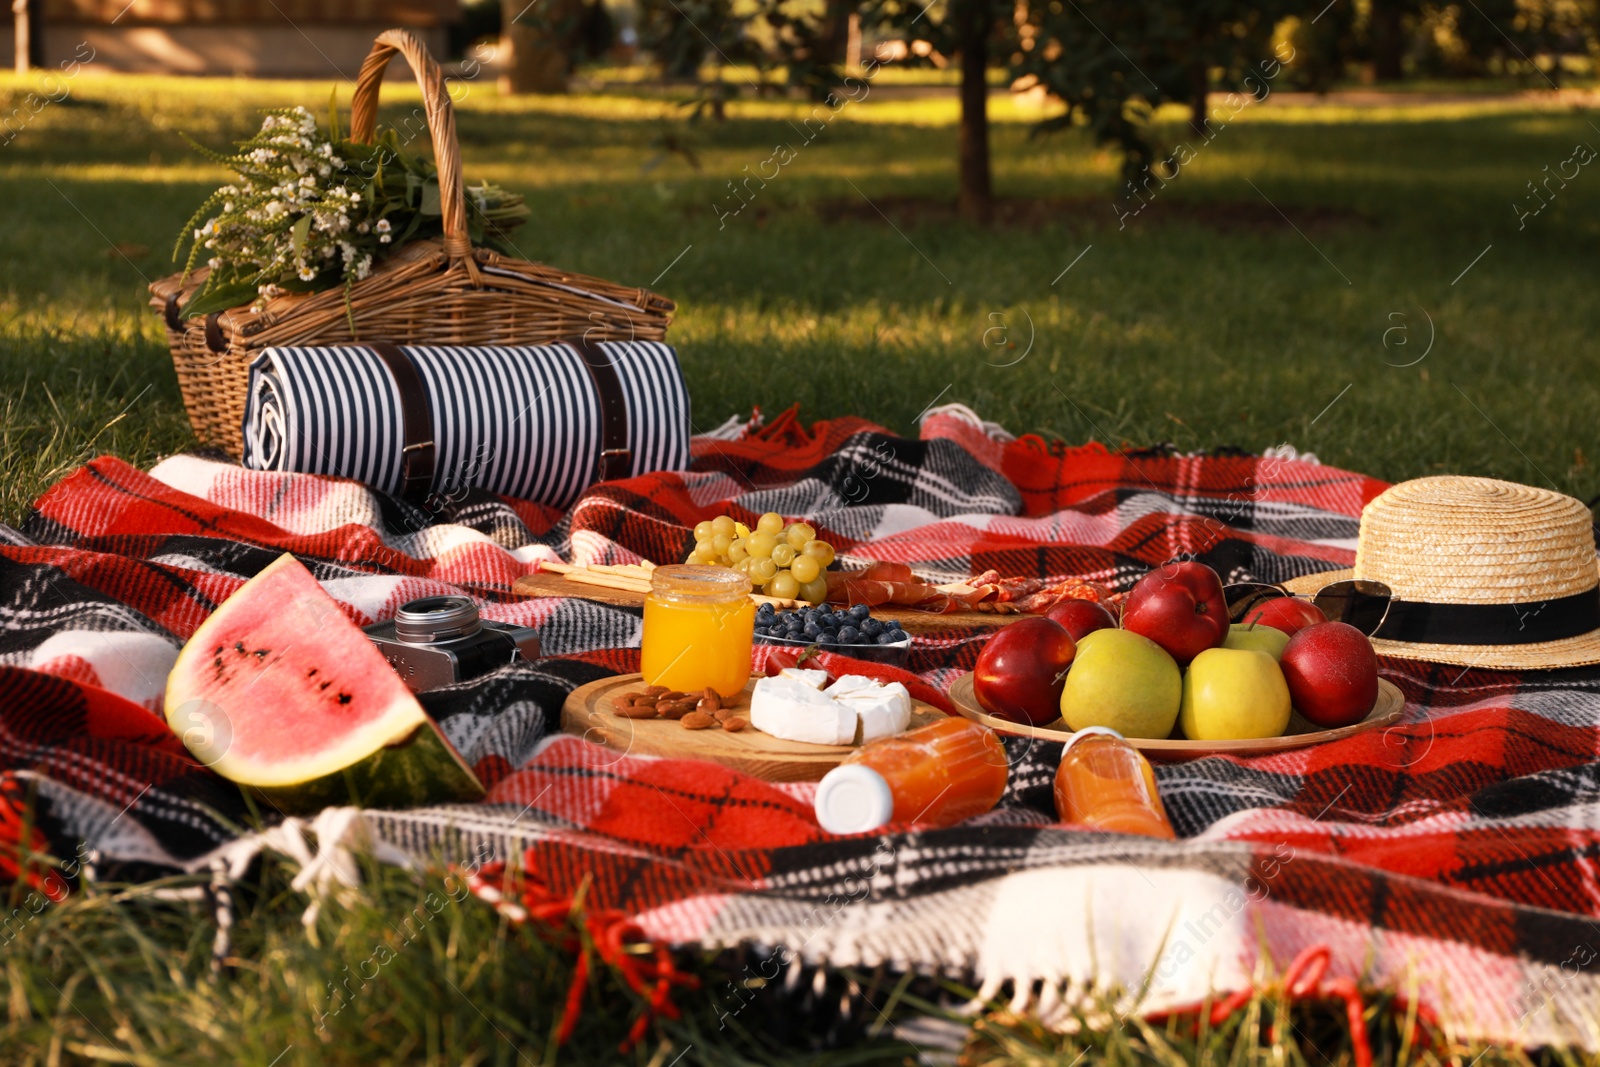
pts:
pixel 1451 539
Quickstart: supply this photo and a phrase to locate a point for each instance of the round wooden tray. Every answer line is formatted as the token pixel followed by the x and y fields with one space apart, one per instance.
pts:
pixel 1391 704
pixel 587 713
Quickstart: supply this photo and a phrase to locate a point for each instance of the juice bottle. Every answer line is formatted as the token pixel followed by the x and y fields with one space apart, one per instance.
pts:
pixel 698 623
pixel 1106 783
pixel 941 773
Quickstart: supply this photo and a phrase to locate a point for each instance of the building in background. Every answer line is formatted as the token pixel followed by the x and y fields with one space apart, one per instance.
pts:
pixel 253 38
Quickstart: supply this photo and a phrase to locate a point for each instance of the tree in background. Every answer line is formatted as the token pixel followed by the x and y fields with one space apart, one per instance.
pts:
pixel 976 33
pixel 1112 63
pixel 541 43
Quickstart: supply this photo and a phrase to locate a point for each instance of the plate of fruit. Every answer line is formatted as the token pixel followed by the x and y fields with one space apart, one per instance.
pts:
pixel 1177 677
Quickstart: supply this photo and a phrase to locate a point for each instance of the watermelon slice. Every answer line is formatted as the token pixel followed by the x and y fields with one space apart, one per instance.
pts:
pixel 281 693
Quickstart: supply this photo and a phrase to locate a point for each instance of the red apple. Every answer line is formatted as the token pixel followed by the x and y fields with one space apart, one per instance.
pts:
pixel 1022 669
pixel 1082 617
pixel 1332 673
pixel 1287 613
pixel 1179 606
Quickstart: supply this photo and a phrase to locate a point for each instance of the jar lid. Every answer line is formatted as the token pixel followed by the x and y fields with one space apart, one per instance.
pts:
pixel 693 580
pixel 852 799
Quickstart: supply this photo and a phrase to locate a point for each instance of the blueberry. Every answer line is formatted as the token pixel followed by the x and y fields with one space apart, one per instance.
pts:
pixel 888 637
pixel 849 635
pixel 893 624
pixel 812 630
pixel 871 628
pixel 860 611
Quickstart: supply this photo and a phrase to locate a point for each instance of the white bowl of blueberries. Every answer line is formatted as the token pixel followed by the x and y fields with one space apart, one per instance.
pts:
pixel 851 632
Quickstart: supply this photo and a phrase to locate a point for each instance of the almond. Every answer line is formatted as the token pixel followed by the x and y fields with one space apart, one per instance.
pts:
pixel 721 714
pixel 635 711
pixel 697 720
pixel 655 691
pixel 674 709
pixel 735 724
pixel 710 701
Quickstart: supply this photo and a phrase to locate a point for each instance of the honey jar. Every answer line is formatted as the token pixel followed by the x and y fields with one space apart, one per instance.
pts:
pixel 698 625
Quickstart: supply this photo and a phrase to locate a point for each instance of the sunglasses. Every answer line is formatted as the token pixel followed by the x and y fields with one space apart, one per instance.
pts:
pixel 1362 604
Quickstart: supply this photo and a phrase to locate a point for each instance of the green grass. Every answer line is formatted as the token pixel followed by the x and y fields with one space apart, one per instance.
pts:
pixel 1174 328
pixel 1170 329
pixel 415 971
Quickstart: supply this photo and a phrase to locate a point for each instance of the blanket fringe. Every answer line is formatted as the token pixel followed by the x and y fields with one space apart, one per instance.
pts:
pixel 340 833
pixel 646 965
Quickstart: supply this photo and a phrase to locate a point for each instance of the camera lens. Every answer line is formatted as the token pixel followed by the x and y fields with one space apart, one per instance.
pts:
pixel 433 619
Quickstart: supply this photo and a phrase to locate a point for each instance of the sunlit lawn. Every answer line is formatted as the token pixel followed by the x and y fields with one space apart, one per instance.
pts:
pixel 1173 328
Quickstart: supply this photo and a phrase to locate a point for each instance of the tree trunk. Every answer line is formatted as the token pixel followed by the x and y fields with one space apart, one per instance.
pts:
pixel 1387 44
pixel 833 35
pixel 975 24
pixel 1199 94
pixel 24 35
pixel 536 60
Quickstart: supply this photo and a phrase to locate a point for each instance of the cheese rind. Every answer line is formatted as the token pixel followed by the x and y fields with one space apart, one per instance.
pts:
pixel 815 679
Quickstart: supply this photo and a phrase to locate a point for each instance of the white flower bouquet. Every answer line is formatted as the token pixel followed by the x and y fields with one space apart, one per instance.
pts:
pixel 312 210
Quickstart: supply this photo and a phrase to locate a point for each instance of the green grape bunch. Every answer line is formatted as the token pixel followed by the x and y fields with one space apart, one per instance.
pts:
pixel 783 560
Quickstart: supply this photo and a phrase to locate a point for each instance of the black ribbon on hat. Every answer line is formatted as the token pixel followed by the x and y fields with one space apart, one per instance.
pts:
pixel 1532 623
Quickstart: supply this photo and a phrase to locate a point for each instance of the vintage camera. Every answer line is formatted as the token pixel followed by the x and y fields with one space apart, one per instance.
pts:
pixel 440 640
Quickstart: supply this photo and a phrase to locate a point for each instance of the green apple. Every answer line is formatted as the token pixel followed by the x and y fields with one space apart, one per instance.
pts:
pixel 1230 694
pixel 1125 681
pixel 1259 638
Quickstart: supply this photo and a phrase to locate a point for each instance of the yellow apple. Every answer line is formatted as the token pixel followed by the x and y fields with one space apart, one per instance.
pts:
pixel 1253 635
pixel 1125 681
pixel 1230 694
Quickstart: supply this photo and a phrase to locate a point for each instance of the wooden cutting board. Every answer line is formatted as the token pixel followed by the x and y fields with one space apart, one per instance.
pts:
pixel 914 621
pixel 588 713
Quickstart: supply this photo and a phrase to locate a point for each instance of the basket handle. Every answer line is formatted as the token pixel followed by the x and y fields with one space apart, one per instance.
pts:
pixel 441 124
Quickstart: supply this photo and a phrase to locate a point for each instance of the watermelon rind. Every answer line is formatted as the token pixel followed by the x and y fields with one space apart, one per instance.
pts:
pixel 395 756
pixel 423 769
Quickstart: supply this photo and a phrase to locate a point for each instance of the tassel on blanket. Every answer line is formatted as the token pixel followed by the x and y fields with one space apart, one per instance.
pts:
pixel 20 839
pixel 647 966
pixel 340 834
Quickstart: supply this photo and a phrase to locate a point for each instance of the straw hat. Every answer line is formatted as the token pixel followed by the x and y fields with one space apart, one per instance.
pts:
pixel 1483 573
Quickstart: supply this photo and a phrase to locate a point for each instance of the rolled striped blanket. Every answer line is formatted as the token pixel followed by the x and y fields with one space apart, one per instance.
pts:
pixel 523 421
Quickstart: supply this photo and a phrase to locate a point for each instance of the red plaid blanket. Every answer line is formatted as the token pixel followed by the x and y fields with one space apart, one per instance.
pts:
pixel 1452 856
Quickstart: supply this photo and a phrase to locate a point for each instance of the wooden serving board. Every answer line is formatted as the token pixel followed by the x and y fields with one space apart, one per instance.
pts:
pixel 1390 705
pixel 588 713
pixel 914 621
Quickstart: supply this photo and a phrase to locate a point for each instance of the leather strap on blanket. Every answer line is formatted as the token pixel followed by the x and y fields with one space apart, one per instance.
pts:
pixel 616 459
pixel 419 453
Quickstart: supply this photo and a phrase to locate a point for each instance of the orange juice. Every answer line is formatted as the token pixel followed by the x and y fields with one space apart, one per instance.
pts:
pixel 698 625
pixel 1105 783
pixel 937 774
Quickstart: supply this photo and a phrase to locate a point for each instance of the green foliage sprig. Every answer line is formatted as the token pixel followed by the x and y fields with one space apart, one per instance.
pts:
pixel 312 210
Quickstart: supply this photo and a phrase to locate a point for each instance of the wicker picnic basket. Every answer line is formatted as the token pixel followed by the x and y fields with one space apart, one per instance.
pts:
pixel 440 291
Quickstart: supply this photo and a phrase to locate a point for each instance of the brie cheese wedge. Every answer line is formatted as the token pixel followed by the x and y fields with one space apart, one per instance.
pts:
pixel 793 706
pixel 794 709
pixel 884 708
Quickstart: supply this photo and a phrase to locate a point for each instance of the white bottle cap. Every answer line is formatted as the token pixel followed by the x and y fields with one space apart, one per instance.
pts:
pixel 1092 731
pixel 852 799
